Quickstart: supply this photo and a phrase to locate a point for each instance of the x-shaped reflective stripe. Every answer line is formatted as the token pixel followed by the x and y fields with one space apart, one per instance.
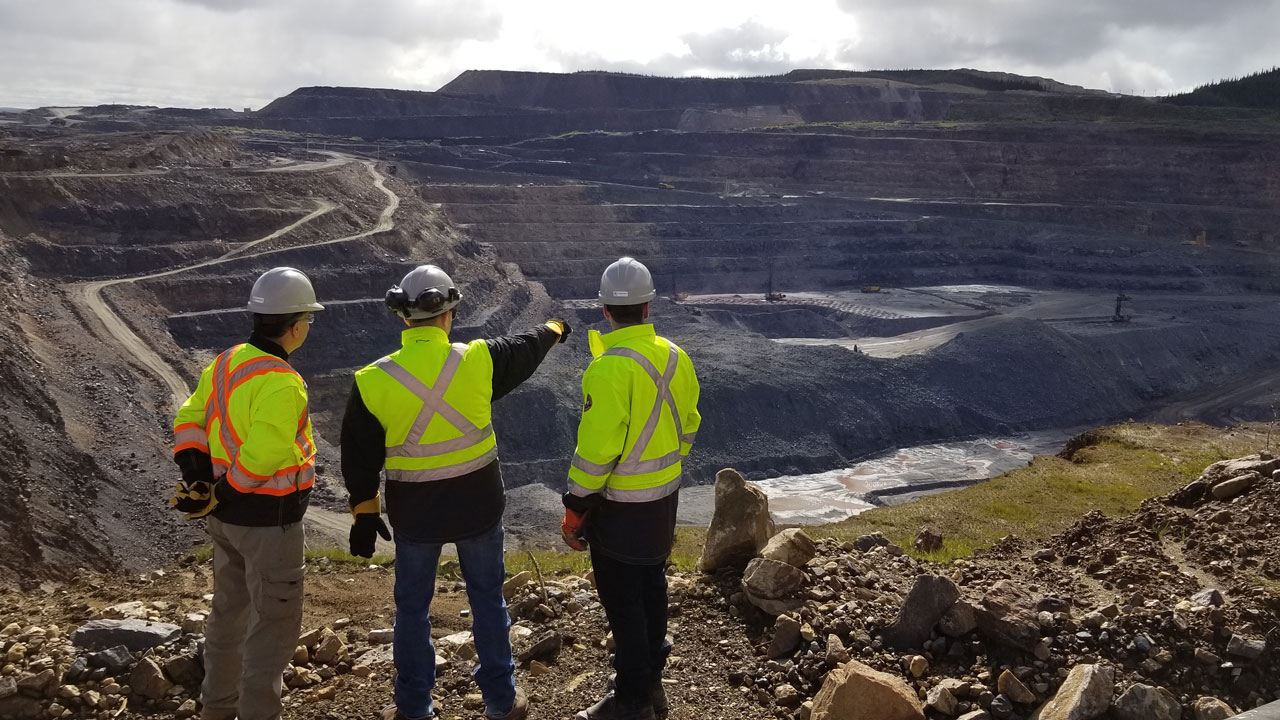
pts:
pixel 433 403
pixel 632 464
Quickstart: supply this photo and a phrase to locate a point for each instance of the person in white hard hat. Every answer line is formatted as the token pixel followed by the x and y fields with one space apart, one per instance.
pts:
pixel 244 445
pixel 639 420
pixel 423 415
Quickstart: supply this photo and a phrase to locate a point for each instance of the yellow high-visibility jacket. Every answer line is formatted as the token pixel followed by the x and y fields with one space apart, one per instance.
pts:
pixel 639 417
pixel 249 414
pixel 432 398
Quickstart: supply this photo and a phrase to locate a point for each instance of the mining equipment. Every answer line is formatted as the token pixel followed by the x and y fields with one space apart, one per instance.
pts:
pixel 1120 317
pixel 770 295
pixel 870 288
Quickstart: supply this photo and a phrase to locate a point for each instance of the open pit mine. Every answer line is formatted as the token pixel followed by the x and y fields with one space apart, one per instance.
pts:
pixel 857 262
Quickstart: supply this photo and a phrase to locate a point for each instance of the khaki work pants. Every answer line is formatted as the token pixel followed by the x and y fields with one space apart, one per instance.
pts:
pixel 256 619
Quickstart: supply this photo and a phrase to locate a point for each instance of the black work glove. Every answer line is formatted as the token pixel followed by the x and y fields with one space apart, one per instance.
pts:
pixel 561 327
pixel 362 539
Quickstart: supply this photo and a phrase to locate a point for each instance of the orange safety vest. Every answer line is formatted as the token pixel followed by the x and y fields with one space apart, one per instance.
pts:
pixel 249 413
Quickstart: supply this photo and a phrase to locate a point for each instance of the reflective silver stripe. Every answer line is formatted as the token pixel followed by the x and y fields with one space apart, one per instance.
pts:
pixel 219 404
pixel 442 473
pixel 688 437
pixel 295 479
pixel 191 435
pixel 633 465
pixel 640 467
pixel 433 403
pixel 591 468
pixel 444 447
pixel 580 490
pixel 642 495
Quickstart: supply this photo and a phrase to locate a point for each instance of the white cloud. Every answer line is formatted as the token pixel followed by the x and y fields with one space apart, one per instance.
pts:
pixel 246 52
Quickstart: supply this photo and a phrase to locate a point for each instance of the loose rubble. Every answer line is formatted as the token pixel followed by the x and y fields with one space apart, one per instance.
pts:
pixel 1171 612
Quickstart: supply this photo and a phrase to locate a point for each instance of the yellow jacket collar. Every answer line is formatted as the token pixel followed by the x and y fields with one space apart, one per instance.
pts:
pixel 423 333
pixel 599 343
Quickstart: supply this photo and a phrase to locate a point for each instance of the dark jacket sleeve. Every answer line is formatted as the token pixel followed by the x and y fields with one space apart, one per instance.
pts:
pixel 580 504
pixel 196 466
pixel 515 357
pixel 363 449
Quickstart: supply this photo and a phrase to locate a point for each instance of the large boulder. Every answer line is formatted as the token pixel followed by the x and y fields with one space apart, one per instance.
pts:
pixel 791 546
pixel 740 524
pixel 1143 702
pixel 1007 614
pixel 1084 695
pixel 854 691
pixel 136 635
pixel 1228 489
pixel 930 597
pixel 1263 464
pixel 772 586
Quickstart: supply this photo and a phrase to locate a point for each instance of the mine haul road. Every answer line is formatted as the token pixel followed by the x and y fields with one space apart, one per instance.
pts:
pixel 331 527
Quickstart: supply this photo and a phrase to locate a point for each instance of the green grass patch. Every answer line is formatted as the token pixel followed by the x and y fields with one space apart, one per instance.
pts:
pixel 1111 469
pixel 342 557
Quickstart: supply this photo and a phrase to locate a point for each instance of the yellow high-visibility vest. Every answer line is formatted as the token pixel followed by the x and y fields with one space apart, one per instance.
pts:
pixel 249 413
pixel 639 417
pixel 432 398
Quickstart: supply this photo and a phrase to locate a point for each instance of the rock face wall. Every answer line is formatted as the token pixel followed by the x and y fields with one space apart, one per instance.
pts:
pixel 49 488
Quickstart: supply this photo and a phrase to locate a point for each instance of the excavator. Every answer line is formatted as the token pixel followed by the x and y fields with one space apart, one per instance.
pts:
pixel 770 295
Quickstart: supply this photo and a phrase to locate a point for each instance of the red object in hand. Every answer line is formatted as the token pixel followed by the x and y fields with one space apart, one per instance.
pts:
pixel 571 529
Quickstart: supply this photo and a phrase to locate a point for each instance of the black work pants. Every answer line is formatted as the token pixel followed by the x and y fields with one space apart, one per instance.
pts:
pixel 635 601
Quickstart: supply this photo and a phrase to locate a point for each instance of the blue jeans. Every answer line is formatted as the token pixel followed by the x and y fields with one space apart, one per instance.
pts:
pixel 484 571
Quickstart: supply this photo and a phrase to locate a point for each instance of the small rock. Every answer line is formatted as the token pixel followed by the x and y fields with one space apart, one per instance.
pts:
pixel 917 665
pixel 546 646
pixel 186 709
pixel 148 680
pixel 516 582
pixel 1011 687
pixel 1143 702
pixel 941 699
pixel 1211 708
pixel 787 695
pixel 786 637
pixel 193 623
pixel 864 543
pixel 928 541
pixel 1248 648
pixel 38 683
pixel 792 546
pixel 1207 598
pixel 537 668
pixel 382 636
pixel 301 656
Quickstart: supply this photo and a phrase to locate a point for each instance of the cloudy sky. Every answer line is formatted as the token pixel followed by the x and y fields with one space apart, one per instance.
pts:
pixel 243 53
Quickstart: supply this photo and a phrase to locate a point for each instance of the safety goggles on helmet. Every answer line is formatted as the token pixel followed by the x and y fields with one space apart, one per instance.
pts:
pixel 431 301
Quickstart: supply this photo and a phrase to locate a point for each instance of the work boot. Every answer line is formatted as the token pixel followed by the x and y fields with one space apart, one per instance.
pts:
pixel 519 709
pixel 391 712
pixel 657 694
pixel 610 709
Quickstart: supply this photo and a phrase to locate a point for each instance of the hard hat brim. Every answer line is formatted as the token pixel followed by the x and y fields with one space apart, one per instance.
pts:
pixel 639 300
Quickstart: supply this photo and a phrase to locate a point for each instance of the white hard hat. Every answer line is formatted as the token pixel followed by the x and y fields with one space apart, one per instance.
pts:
pixel 282 291
pixel 626 282
pixel 427 291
